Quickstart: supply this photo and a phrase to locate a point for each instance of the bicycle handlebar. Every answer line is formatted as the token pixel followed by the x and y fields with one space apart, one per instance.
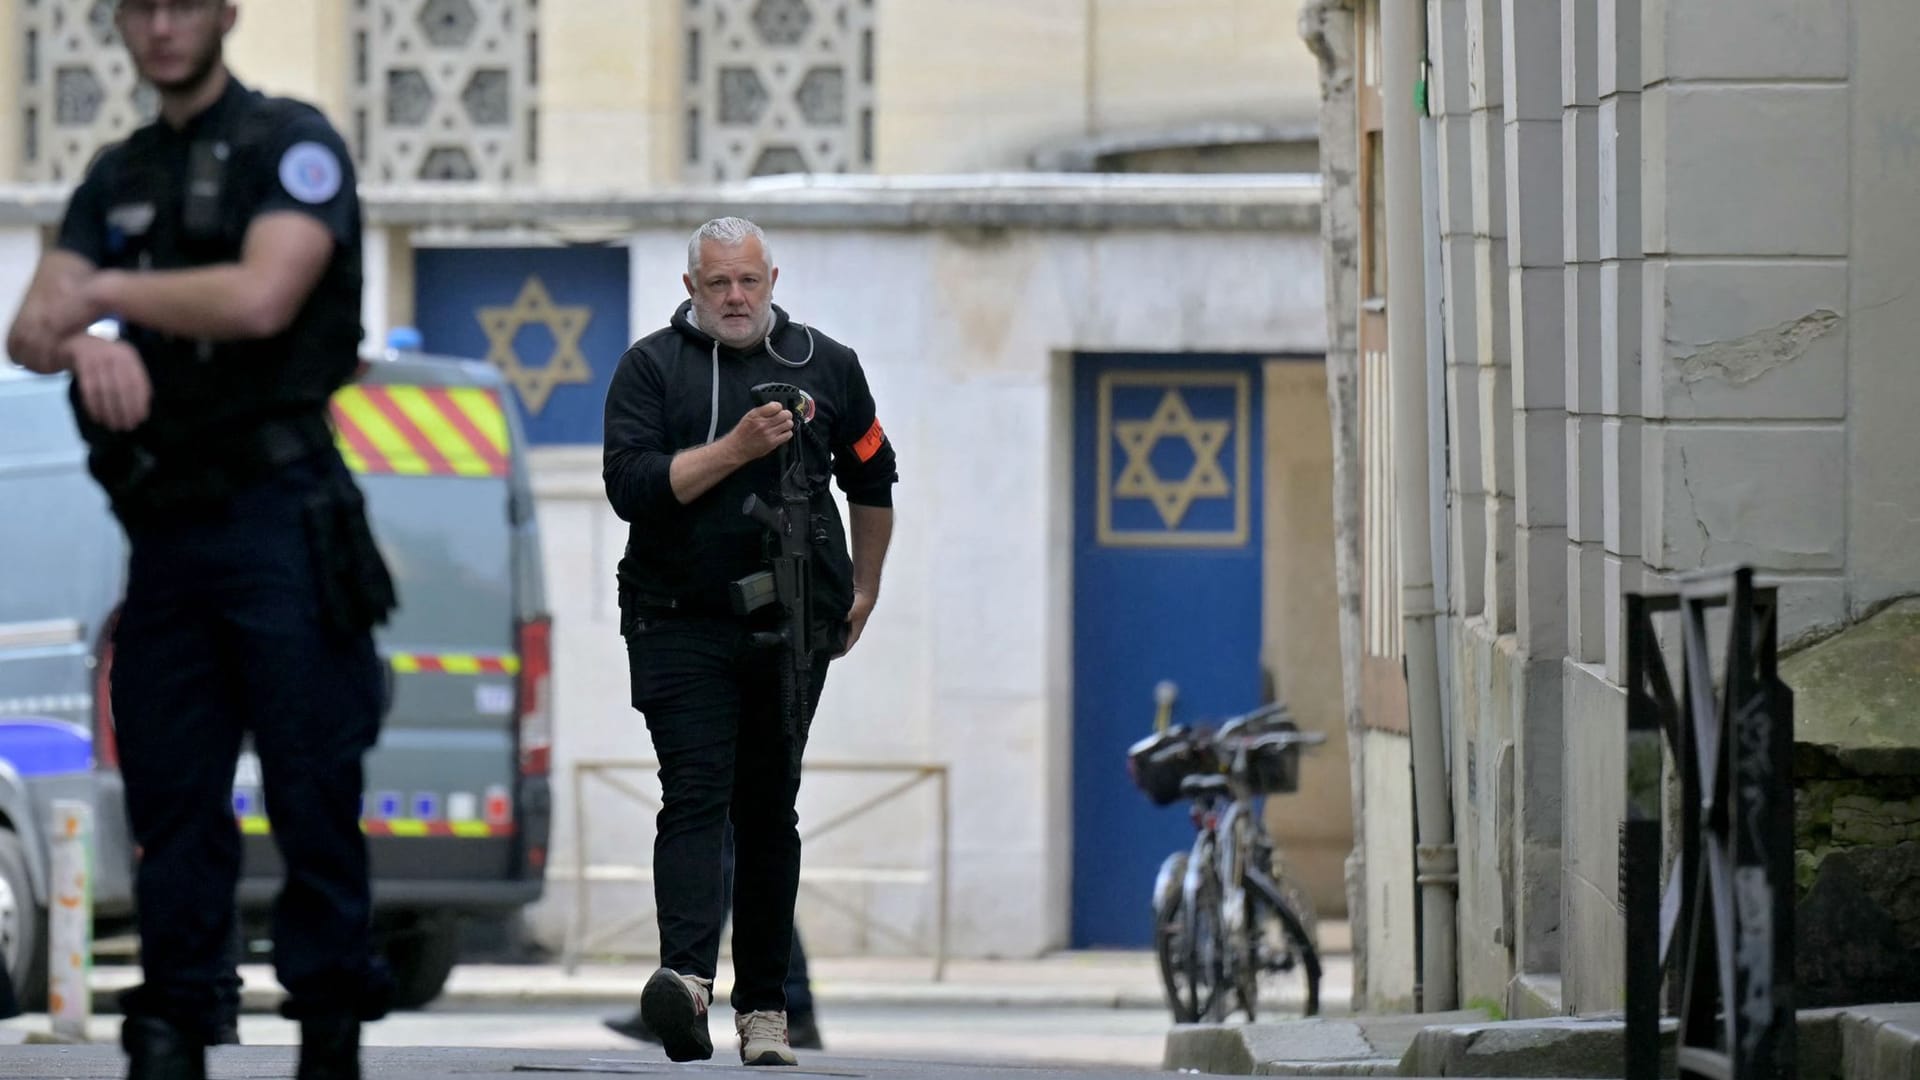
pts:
pixel 1284 738
pixel 1271 708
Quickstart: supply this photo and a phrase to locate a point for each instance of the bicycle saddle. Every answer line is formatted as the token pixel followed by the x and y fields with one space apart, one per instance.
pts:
pixel 1193 786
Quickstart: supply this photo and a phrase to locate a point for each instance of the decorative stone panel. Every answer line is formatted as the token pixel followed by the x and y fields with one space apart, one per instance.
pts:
pixel 80 90
pixel 443 90
pixel 778 86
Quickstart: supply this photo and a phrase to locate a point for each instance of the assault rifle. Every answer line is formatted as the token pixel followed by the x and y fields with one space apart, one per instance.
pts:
pixel 789 582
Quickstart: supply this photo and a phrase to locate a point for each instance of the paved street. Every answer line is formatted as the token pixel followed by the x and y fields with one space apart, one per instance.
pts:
pixel 962 1033
pixel 262 1063
pixel 1070 1014
pixel 530 1041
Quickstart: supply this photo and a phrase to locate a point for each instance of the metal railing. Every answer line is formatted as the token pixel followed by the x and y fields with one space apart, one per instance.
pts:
pixel 1726 918
pixel 582 938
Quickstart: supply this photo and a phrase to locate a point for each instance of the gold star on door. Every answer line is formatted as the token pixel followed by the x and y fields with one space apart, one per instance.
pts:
pixel 534 307
pixel 1174 495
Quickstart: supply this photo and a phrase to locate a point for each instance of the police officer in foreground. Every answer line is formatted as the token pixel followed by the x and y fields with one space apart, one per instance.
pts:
pixel 224 241
pixel 686 443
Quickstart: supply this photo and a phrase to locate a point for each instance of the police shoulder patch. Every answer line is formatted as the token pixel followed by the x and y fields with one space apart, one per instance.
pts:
pixel 310 172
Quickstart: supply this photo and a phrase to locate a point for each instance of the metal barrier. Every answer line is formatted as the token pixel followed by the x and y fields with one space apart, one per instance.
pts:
pixel 1729 904
pixel 580 938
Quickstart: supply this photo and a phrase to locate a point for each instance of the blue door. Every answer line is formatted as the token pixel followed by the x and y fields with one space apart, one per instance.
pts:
pixel 1166 586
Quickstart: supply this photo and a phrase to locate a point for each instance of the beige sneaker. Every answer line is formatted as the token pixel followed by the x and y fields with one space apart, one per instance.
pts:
pixel 763 1039
pixel 675 1007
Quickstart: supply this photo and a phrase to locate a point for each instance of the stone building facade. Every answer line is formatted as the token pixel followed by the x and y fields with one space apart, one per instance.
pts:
pixel 619 95
pixel 1670 241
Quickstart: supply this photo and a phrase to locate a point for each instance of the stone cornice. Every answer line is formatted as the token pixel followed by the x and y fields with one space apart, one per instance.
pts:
pixel 990 201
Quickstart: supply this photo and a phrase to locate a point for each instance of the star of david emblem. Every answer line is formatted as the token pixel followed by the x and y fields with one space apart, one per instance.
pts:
pixel 535 307
pixel 1172 497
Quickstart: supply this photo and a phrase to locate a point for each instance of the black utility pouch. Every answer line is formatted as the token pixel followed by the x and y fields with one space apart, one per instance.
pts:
pixel 355 591
pixel 629 613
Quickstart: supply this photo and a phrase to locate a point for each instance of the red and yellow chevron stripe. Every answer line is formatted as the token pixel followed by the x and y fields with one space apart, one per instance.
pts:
pixel 421 430
pixel 411 828
pixel 408 663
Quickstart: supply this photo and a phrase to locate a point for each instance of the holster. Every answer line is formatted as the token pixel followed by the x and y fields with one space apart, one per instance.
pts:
pixel 355 591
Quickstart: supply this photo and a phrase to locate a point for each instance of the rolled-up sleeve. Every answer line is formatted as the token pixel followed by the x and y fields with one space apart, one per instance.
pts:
pixel 638 463
pixel 863 460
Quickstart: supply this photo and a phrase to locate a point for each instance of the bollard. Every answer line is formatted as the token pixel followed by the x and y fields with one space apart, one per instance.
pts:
pixel 70 920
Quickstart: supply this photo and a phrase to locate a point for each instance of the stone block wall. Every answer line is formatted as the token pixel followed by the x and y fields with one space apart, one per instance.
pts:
pixel 1857 812
pixel 1683 229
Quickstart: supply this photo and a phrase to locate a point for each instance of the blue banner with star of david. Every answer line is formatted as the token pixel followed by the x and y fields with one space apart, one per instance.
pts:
pixel 554 320
pixel 1173 456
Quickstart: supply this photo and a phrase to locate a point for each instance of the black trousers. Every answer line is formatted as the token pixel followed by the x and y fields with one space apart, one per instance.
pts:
pixel 712 705
pixel 799 984
pixel 221 637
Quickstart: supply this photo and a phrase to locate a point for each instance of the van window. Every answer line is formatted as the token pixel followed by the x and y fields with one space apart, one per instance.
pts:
pixel 434 463
pixel 449 547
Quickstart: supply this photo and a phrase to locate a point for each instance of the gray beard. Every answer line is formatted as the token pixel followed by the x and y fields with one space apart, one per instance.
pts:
pixel 710 323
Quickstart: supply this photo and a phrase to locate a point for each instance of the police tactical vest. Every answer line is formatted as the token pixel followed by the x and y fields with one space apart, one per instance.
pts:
pixel 173 204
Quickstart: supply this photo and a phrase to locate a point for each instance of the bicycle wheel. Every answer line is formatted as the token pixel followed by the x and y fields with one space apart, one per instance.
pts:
pixel 1170 947
pixel 1279 969
pixel 1170 940
pixel 1206 990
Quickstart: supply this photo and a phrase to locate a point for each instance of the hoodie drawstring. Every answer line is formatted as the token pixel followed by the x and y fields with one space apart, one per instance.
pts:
pixel 713 417
pixel 803 362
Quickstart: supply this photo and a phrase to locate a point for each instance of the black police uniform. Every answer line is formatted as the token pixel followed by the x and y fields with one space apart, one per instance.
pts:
pixel 252 584
pixel 710 698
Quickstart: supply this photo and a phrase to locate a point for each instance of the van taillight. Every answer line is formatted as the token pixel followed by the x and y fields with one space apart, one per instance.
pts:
pixel 536 697
pixel 106 748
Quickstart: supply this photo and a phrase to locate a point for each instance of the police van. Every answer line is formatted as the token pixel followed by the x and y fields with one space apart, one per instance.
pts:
pixel 457 804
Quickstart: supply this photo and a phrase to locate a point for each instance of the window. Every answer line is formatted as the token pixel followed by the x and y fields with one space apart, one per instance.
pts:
pixel 446 88
pixel 80 89
pixel 778 86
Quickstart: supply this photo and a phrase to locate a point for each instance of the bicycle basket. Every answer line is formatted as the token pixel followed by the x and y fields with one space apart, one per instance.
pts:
pixel 1159 762
pixel 1274 769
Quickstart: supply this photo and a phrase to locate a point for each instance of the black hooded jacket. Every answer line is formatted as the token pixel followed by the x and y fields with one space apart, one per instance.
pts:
pixel 679 388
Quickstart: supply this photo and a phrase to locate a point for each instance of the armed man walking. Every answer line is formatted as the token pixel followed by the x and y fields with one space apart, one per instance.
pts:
pixel 731 618
pixel 223 240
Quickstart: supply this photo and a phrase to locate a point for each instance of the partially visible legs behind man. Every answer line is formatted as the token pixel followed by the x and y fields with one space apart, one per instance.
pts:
pixel 803 1024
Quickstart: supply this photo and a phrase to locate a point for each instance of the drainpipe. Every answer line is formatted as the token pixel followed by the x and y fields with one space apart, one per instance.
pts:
pixel 1403 45
pixel 1439 503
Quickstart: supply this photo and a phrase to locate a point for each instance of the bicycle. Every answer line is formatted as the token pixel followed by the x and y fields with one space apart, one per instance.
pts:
pixel 1227 924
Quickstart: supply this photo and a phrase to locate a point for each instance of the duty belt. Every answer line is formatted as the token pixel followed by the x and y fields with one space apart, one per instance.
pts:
pixel 201 474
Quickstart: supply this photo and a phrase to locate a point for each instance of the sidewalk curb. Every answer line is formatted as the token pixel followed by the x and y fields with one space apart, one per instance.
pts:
pixel 17 1037
pixel 1860 1042
pixel 1363 1045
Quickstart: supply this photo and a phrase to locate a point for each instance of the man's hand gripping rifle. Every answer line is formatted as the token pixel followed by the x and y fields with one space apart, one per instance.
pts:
pixel 789 582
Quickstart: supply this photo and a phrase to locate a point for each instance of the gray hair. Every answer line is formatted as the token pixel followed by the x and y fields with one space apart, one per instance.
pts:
pixel 727 232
